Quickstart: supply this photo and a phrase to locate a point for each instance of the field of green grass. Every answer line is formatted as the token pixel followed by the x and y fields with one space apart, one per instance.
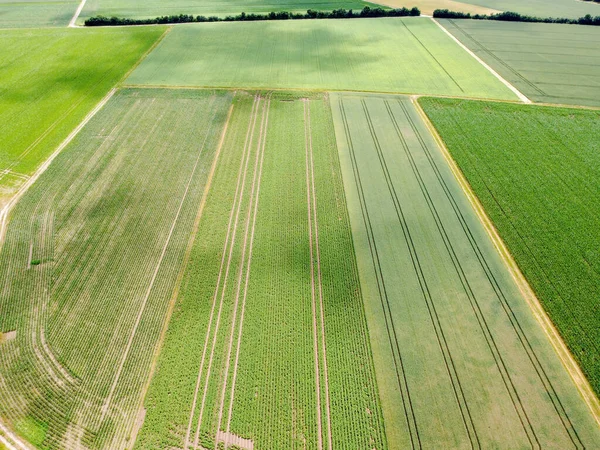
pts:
pixel 154 8
pixel 461 360
pixel 36 13
pixel 542 8
pixel 50 79
pixel 550 63
pixel 90 260
pixel 541 188
pixel 268 339
pixel 394 55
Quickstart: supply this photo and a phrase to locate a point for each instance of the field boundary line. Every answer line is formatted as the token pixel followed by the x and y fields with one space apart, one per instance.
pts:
pixel 518 93
pixel 7 208
pixel 536 307
pixel 142 57
pixel 188 253
pixel 76 15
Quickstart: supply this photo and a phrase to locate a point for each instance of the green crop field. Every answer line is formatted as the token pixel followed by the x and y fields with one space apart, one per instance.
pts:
pixel 395 55
pixel 461 360
pixel 541 189
pixel 153 8
pixel 49 80
pixel 36 13
pixel 89 263
pixel 268 339
pixel 550 63
pixel 542 8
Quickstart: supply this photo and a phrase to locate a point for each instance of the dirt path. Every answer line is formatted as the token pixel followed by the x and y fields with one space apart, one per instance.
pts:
pixel 76 15
pixel 518 93
pixel 583 385
pixel 11 440
pixel 229 237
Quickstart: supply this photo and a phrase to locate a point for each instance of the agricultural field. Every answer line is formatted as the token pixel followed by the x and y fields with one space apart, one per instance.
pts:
pixel 36 13
pixel 50 79
pixel 390 54
pixel 428 6
pixel 139 9
pixel 541 189
pixel 91 258
pixel 572 9
pixel 268 346
pixel 461 361
pixel 549 63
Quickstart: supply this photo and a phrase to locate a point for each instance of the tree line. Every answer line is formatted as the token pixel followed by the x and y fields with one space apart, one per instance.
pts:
pixel 510 16
pixel 243 17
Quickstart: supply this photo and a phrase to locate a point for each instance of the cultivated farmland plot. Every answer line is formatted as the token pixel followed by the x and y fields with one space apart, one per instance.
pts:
pixel 542 8
pixel 392 54
pixel 550 63
pixel 30 13
pixel 541 188
pixel 49 80
pixel 267 347
pixel 461 362
pixel 89 263
pixel 154 8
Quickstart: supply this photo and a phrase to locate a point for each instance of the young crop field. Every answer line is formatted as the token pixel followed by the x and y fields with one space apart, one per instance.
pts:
pixel 49 80
pixel 541 189
pixel 267 347
pixel 461 361
pixel 38 13
pixel 89 263
pixel 392 54
pixel 550 63
pixel 542 8
pixel 153 8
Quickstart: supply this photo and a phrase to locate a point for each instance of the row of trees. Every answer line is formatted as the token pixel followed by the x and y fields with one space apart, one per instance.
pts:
pixel 283 15
pixel 510 16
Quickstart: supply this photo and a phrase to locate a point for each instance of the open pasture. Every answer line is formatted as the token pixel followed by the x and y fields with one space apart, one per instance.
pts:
pixel 461 361
pixel 549 63
pixel 49 80
pixel 90 260
pixel 36 13
pixel 140 9
pixel 268 344
pixel 395 55
pixel 541 189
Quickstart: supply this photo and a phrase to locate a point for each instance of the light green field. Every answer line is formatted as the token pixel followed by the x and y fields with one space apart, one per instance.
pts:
pixel 36 13
pixel 550 63
pixel 154 8
pixel 49 80
pixel 461 361
pixel 392 54
pixel 268 339
pixel 90 261
pixel 542 8
pixel 541 189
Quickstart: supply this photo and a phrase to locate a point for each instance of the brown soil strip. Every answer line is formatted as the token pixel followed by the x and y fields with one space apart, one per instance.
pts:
pixel 583 385
pixel 231 439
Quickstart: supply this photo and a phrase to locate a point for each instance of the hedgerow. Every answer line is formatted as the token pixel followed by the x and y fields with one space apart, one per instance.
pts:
pixel 510 16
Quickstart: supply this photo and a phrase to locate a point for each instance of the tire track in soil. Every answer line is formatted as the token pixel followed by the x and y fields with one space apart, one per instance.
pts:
pixel 235 207
pixel 247 246
pixel 411 421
